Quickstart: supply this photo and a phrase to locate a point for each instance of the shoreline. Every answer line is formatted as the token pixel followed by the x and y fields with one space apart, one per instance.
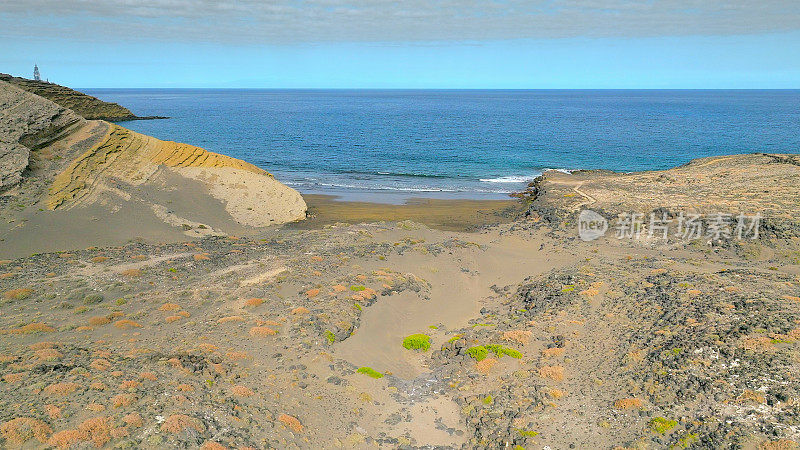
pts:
pixel 443 214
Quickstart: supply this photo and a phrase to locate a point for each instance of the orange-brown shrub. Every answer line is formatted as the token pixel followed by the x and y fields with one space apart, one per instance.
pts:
pixel 32 328
pixel 179 422
pixel 211 445
pixel 96 407
pixel 131 273
pixel 262 331
pixel 100 364
pixel 98 429
pixel 129 384
pixel 98 320
pixel 52 411
pixel 521 336
pixel 780 444
pixel 185 387
pixel 42 345
pixel 20 430
pixel 627 403
pixel 14 377
pixel 485 365
pixel 99 259
pixel 169 307
pixel 170 319
pixel 48 354
pixel 201 257
pixel 123 400
pixel 253 301
pixel 151 376
pixel 311 293
pixel 67 438
pixel 133 420
pixel 64 388
pixel 242 391
pixel 236 355
pixel 300 310
pixel 126 324
pixel 554 393
pixel 553 351
pixel 208 348
pixel 18 294
pixel 291 422
pixel 553 372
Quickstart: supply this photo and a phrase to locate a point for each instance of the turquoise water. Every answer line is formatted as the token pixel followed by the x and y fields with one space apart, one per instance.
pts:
pixel 391 145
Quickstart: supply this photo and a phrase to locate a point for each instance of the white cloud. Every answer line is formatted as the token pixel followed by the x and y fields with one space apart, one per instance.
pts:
pixel 303 21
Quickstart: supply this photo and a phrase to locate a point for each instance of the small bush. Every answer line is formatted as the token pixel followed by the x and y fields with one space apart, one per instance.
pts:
pixel 368 371
pixel 18 431
pixel 480 352
pixel 291 422
pixel 93 299
pixel 627 403
pixel 661 424
pixel 18 294
pixel 179 422
pixel 417 342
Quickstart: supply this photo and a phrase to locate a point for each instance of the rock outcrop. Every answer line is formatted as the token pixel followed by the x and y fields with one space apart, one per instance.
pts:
pixel 25 123
pixel 251 195
pixel 86 106
pixel 731 184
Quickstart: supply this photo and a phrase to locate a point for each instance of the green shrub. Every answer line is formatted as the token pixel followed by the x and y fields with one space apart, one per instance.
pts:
pixel 527 433
pixel 330 336
pixel 662 424
pixel 417 342
pixel 368 371
pixel 502 350
pixel 480 352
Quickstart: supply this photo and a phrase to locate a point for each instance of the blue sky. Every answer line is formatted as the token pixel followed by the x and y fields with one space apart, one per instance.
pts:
pixel 377 44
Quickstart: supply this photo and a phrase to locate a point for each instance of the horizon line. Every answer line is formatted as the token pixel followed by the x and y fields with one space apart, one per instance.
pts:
pixel 447 89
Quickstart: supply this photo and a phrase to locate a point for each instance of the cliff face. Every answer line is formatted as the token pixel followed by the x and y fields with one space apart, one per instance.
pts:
pixel 55 163
pixel 84 105
pixel 27 123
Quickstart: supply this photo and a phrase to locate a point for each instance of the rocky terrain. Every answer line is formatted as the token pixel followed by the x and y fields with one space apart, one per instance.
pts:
pixel 384 334
pixel 747 184
pixel 86 106
pixel 70 179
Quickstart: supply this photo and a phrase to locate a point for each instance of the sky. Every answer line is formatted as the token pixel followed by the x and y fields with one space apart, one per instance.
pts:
pixel 514 44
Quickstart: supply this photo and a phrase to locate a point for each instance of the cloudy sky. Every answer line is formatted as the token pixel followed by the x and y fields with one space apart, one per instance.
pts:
pixel 411 43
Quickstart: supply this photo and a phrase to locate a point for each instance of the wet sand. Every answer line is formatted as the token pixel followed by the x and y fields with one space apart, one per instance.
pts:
pixel 449 215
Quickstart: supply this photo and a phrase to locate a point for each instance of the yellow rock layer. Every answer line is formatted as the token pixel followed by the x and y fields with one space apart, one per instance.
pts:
pixel 128 155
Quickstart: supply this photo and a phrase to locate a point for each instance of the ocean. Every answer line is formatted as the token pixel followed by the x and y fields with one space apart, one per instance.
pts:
pixel 391 145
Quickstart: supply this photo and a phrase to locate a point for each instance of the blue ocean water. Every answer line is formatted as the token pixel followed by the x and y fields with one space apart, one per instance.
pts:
pixel 396 144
